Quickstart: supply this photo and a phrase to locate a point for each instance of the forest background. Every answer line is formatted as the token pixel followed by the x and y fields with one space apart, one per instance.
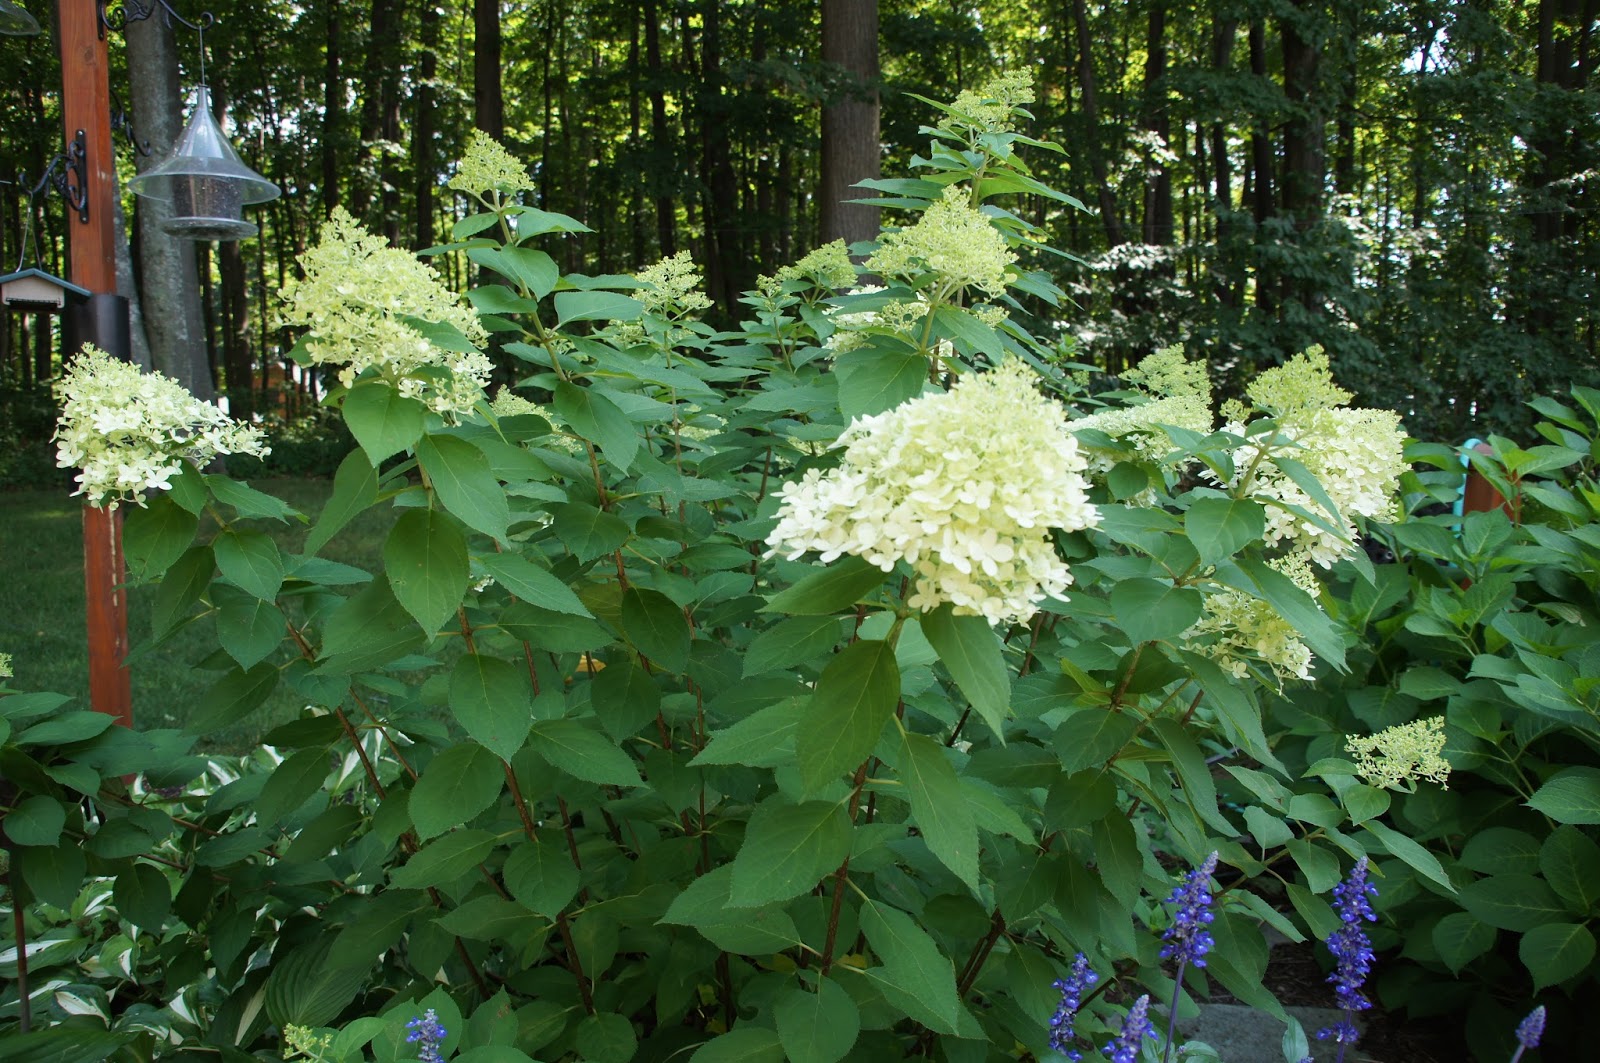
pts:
pixel 1410 183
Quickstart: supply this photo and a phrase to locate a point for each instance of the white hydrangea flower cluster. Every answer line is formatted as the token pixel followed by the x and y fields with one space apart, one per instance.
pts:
pixel 962 485
pixel 130 432
pixel 1178 393
pixel 952 239
pixel 1356 454
pixel 828 266
pixel 1396 757
pixel 991 107
pixel 671 291
pixel 487 166
pixel 1237 629
pixel 354 298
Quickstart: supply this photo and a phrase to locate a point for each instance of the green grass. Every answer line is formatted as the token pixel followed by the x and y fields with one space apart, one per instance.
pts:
pixel 42 610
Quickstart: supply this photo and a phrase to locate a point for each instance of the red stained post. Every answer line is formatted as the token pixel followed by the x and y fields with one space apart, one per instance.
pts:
pixel 86 106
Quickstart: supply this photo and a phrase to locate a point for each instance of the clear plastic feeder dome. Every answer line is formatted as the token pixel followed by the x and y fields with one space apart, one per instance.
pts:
pixel 16 22
pixel 205 181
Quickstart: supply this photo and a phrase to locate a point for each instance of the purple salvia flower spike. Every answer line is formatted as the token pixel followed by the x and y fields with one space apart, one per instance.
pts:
pixel 1529 1032
pixel 1352 953
pixel 1072 988
pixel 428 1036
pixel 1187 939
pixel 1135 1028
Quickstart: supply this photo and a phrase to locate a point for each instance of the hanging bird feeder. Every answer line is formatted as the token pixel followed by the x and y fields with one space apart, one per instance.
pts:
pixel 205 181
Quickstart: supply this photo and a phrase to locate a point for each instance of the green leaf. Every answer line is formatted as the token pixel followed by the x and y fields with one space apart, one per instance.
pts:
pixel 1571 795
pixel 838 586
pixel 1570 862
pixel 155 536
pixel 368 631
pixel 787 850
pixel 764 739
pixel 248 627
pixel 587 531
pixel 444 860
pixel 459 783
pixel 791 642
pixel 235 695
pixel 533 584
pixel 818 1027
pixel 1459 939
pixel 598 420
pixel 186 579
pixel 1089 737
pixel 540 876
pixel 855 696
pixel 460 476
pixel 380 922
pixel 1218 527
pixel 53 872
pixel 247 501
pixel 1556 952
pixel 874 380
pixel 970 649
pixel 596 306
pixel 488 918
pixel 1500 851
pixel 625 698
pixel 606 1038
pixel 1193 772
pixel 941 812
pixel 744 931
pixel 35 820
pixel 491 698
pixel 425 557
pixel 77 1044
pixel 1149 610
pixel 569 746
pixel 1512 902
pixel 742 1044
pixel 291 784
pixel 143 895
pixel 250 560
pixel 383 422
pixel 355 487
pixel 655 626
pixel 534 271
pixel 307 987
pixel 955 323
pixel 912 963
pixel 1297 607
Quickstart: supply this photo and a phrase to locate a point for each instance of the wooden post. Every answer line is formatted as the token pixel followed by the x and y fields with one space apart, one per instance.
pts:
pixel 86 106
pixel 1478 495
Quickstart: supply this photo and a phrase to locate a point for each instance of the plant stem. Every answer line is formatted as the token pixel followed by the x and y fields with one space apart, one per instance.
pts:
pixel 1172 1013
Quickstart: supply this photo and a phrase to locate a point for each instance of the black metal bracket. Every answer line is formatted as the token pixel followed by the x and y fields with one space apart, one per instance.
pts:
pixel 117 17
pixel 73 180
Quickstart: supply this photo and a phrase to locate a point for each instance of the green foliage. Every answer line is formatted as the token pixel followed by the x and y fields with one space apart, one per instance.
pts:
pixel 660 795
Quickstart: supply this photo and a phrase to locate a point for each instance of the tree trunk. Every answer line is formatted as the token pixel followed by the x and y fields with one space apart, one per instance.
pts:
pixel 1158 226
pixel 1303 138
pixel 165 265
pixel 422 134
pixel 332 109
pixel 726 263
pixel 660 148
pixel 1261 154
pixel 1091 113
pixel 850 138
pixel 488 99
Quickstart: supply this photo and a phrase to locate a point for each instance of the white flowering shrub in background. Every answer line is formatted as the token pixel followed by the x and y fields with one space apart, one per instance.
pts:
pixel 129 432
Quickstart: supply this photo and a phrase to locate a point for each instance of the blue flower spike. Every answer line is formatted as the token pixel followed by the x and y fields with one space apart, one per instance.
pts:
pixel 1135 1028
pixel 1529 1032
pixel 1352 954
pixel 428 1036
pixel 1072 988
pixel 1188 940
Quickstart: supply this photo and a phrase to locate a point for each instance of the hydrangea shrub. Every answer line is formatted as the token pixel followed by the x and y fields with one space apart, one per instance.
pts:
pixel 727 695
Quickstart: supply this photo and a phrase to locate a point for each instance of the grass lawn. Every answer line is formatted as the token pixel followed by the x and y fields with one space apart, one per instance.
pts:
pixel 42 611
